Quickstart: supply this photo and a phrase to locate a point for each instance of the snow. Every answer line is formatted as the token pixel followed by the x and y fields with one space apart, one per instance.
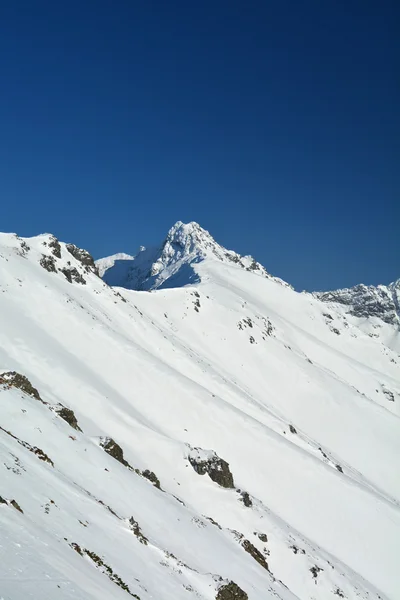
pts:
pixel 104 264
pixel 201 455
pixel 237 365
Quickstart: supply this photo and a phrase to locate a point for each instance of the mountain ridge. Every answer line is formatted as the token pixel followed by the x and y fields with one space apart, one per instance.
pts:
pixel 382 301
pixel 172 264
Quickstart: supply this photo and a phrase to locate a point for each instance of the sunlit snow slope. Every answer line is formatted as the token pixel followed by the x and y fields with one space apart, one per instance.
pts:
pixel 300 398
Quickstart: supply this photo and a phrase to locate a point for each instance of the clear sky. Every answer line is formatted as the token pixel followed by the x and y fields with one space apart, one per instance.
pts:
pixel 274 124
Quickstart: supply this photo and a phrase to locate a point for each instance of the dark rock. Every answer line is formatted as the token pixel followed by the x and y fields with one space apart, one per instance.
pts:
pixel 24 248
pixel 54 244
pixel 48 263
pixel 84 257
pixel 231 591
pixel 269 327
pixel 245 498
pixel 104 568
pixel 152 477
pixel 2 501
pixel 254 266
pixel 118 295
pixel 14 379
pixel 15 504
pixel 214 522
pixel 292 429
pixel 315 570
pixel 113 449
pixel 216 468
pixel 134 526
pixel 339 468
pixel 263 537
pixel 256 554
pixel 69 416
pixel 296 549
pixel 37 451
pixel 220 473
pixel 389 395
pixel 323 453
pixel 73 275
pixel 41 455
pixel 77 548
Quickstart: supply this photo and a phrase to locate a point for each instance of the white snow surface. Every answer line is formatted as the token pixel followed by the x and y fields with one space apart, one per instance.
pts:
pixel 104 264
pixel 299 397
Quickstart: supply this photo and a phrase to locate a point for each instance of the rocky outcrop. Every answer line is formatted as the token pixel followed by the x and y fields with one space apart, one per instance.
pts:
pixel 34 449
pixel 72 274
pixel 68 415
pixel 207 461
pixel 366 301
pixel 255 553
pixel 245 498
pixel 104 568
pixel 113 449
pixel 83 257
pixel 13 503
pixel 231 591
pixel 48 263
pixel 55 247
pixel 134 527
pixel 151 477
pixel 16 380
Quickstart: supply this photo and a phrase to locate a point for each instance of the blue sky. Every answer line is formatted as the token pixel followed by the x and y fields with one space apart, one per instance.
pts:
pixel 275 125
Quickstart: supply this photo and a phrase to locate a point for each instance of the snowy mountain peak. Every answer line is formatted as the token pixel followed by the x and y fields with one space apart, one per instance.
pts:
pixel 189 238
pixel 174 262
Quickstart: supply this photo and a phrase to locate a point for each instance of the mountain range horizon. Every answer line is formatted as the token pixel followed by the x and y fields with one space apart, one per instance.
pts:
pixel 102 262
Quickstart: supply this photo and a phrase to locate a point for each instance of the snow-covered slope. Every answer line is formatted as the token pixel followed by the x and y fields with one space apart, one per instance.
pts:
pixel 104 264
pixel 172 263
pixel 230 433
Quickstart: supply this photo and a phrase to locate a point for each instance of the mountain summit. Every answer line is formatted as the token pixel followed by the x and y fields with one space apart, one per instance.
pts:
pixel 173 263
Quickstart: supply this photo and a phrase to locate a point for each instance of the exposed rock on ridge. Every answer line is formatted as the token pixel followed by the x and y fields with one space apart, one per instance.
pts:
pixel 382 301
